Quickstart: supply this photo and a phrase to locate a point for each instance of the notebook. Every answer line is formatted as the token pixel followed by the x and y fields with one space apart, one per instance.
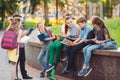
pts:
pixel 66 41
pixel 41 36
pixel 25 39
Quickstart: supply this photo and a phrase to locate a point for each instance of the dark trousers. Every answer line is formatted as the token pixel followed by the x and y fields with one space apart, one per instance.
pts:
pixel 22 61
pixel 71 52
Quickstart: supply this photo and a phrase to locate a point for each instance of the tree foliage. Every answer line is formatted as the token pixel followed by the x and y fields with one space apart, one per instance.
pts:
pixel 34 3
pixel 115 2
pixel 7 9
pixel 94 1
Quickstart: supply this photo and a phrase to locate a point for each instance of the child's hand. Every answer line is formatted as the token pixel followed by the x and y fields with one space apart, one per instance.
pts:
pixel 59 37
pixel 41 43
pixel 71 44
pixel 84 40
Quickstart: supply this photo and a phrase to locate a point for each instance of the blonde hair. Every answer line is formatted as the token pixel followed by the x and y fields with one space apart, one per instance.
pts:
pixel 14 24
pixel 42 27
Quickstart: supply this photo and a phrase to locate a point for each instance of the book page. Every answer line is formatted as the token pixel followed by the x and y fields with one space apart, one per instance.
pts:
pixel 25 39
pixel 66 41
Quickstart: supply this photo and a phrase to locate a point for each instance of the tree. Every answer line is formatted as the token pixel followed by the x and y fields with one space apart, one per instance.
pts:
pixel 34 3
pixel 107 8
pixel 94 1
pixel 115 2
pixel 7 9
pixel 26 11
pixel 57 11
pixel 46 9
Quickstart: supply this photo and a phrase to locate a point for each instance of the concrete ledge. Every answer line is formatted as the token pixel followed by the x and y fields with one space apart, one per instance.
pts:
pixel 105 63
pixel 32 51
pixel 113 52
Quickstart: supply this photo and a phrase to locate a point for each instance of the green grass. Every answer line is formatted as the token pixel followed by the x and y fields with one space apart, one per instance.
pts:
pixel 56 30
pixel 113 26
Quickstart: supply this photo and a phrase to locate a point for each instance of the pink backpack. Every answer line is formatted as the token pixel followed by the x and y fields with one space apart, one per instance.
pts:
pixel 9 40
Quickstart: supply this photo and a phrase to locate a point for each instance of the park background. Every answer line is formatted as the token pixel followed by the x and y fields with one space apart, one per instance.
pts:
pixel 52 12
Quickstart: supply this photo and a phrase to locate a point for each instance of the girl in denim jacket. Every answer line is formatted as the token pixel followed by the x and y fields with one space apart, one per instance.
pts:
pixel 43 56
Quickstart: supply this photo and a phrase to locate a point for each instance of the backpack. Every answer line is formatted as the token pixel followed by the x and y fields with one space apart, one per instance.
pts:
pixel 9 40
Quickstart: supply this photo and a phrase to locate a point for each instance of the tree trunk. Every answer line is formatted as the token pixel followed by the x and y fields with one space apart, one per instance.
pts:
pixel 26 11
pixel 2 12
pixel 57 12
pixel 46 16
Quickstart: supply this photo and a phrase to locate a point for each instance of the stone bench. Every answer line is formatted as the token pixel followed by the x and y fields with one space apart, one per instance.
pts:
pixel 105 63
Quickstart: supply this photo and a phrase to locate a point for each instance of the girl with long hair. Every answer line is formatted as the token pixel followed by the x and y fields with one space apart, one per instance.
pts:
pixel 14 25
pixel 43 56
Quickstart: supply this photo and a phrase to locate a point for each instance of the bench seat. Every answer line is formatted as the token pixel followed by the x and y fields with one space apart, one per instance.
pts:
pixel 105 63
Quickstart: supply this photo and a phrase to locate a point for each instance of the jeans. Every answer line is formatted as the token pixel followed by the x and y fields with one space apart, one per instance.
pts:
pixel 71 52
pixel 43 56
pixel 87 51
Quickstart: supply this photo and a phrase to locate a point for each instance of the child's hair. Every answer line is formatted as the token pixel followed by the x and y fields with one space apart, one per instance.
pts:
pixel 66 26
pixel 17 15
pixel 81 20
pixel 15 23
pixel 96 20
pixel 42 26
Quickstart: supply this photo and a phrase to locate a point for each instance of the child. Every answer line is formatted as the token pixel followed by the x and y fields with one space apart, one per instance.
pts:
pixel 45 46
pixel 21 57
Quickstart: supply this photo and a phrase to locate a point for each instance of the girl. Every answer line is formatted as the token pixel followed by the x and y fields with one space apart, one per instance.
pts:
pixel 101 35
pixel 45 46
pixel 16 22
pixel 55 48
pixel 14 25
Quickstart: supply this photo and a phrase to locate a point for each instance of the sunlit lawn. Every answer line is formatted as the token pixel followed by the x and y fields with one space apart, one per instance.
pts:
pixel 113 26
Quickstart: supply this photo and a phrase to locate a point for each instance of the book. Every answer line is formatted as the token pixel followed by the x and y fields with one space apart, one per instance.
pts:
pixel 25 39
pixel 41 36
pixel 66 41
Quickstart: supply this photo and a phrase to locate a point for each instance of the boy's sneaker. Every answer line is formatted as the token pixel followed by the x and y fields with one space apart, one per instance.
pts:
pixel 88 71
pixel 42 74
pixel 65 58
pixel 84 72
pixel 50 67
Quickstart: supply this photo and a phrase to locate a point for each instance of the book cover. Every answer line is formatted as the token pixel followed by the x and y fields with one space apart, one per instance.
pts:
pixel 41 37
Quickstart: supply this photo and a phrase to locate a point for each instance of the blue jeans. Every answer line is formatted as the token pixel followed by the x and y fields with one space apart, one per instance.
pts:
pixel 43 56
pixel 87 51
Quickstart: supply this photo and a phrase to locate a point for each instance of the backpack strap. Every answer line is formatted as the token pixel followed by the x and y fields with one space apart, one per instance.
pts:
pixel 49 33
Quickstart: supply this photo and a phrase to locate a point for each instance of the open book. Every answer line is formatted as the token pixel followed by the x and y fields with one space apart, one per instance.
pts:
pixel 66 41
pixel 25 39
